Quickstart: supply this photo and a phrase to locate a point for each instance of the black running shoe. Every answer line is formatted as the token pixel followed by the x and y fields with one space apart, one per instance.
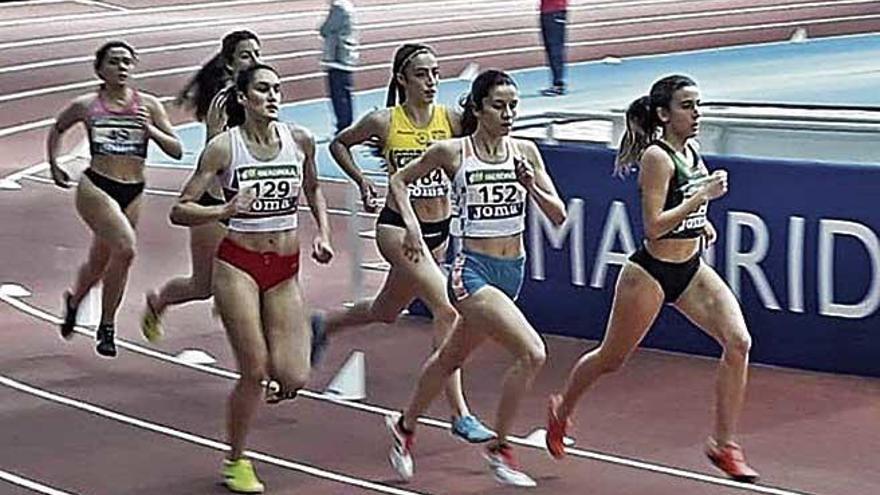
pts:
pixel 106 345
pixel 69 322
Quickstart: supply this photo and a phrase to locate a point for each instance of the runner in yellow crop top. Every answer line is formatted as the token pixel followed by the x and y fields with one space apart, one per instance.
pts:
pixel 404 131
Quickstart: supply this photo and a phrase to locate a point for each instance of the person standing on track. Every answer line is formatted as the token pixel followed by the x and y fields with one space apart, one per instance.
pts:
pixel 403 131
pixel 208 93
pixel 339 59
pixel 554 15
pixel 492 174
pixel 262 165
pixel 676 189
pixel 120 121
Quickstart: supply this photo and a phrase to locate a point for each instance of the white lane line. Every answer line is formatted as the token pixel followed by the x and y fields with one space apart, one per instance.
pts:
pixel 103 5
pixel 503 11
pixel 421 6
pixel 27 126
pixel 631 39
pixel 730 29
pixel 30 3
pixel 148 74
pixel 147 10
pixel 200 440
pixel 282 35
pixel 587 454
pixel 31 484
pixel 404 23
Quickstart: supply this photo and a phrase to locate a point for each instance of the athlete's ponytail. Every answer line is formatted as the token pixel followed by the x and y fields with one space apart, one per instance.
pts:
pixel 643 122
pixel 636 139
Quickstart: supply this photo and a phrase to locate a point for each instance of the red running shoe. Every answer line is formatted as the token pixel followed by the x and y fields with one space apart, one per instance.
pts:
pixel 732 461
pixel 556 428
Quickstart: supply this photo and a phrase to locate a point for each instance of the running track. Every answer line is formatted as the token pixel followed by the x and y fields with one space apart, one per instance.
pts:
pixel 72 423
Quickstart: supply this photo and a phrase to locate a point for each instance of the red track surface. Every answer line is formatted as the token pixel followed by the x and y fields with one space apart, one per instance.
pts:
pixel 806 432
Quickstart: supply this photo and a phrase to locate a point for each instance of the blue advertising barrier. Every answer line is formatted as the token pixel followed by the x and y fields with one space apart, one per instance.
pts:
pixel 797 243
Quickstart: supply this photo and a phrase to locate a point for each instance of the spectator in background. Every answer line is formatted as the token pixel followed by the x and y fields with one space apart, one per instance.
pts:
pixel 339 58
pixel 553 18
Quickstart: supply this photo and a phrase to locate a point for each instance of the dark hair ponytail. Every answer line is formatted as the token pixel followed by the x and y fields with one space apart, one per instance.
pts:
pixel 213 76
pixel 402 57
pixel 636 138
pixel 643 123
pixel 480 89
pixel 234 111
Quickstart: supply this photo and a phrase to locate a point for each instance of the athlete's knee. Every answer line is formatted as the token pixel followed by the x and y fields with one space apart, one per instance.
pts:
pixel 738 345
pixel 446 318
pixel 534 357
pixel 123 253
pixel 447 359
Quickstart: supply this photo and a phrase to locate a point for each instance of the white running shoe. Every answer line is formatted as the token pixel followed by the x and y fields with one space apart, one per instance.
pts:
pixel 399 456
pixel 503 466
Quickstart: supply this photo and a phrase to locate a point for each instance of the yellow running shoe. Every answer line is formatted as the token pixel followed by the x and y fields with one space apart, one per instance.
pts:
pixel 239 476
pixel 151 324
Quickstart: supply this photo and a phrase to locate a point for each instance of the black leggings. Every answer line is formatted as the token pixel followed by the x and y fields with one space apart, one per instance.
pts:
pixel 434 233
pixel 673 278
pixel 121 192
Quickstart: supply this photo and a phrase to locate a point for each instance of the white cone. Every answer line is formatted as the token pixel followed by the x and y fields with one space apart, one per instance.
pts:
pixel 470 72
pixel 611 60
pixel 14 290
pixel 537 438
pixel 89 312
pixel 350 382
pixel 799 35
pixel 9 185
pixel 195 356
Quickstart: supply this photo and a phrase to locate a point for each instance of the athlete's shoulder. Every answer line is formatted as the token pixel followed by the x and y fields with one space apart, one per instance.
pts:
pixel 222 142
pixel 84 101
pixel 657 154
pixel 448 147
pixel 301 135
pixel 149 99
pixel 655 160
pixel 525 145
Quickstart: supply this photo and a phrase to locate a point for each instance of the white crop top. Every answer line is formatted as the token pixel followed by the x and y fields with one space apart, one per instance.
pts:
pixel 277 184
pixel 488 199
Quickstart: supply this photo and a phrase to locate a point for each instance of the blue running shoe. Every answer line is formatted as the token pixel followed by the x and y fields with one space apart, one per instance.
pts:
pixel 469 429
pixel 319 338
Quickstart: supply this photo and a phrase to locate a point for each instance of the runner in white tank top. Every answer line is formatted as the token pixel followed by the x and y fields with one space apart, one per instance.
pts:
pixel 262 164
pixel 492 174
pixel 403 131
